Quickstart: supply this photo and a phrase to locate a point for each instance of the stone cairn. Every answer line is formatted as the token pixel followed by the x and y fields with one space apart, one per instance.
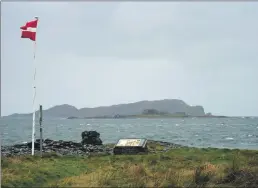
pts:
pixel 91 137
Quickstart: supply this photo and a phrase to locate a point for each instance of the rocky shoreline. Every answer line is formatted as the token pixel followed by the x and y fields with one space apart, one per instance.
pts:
pixel 90 144
pixel 64 148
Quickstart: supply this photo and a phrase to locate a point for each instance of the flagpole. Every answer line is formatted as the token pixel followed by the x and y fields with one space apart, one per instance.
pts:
pixel 34 97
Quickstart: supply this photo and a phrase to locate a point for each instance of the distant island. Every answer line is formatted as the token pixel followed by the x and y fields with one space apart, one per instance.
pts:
pixel 158 108
pixel 148 113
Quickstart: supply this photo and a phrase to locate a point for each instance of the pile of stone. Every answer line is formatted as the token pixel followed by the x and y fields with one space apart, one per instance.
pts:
pixel 91 143
pixel 91 137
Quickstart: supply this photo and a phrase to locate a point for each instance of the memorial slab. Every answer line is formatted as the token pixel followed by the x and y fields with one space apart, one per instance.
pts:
pixel 130 146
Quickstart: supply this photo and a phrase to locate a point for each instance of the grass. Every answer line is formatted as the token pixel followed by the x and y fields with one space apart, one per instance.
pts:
pixel 184 167
pixel 158 116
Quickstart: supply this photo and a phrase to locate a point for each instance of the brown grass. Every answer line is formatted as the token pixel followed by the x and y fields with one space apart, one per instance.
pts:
pixel 197 168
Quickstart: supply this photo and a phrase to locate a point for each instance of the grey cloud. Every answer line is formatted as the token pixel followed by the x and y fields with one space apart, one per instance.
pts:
pixel 93 54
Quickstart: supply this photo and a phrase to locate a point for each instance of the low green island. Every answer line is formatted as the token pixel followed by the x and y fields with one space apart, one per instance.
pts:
pixel 179 167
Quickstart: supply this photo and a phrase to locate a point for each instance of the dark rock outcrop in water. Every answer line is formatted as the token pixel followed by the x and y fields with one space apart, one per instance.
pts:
pixel 167 105
pixel 91 137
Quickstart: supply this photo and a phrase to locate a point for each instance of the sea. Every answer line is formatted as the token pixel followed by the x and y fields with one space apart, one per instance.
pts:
pixel 236 132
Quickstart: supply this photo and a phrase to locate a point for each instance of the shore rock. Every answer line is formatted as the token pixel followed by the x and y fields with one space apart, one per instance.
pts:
pixel 61 147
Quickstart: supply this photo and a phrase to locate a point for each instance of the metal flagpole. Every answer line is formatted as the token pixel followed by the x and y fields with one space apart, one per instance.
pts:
pixel 40 124
pixel 34 97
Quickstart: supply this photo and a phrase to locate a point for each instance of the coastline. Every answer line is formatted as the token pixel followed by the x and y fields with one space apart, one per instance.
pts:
pixel 70 148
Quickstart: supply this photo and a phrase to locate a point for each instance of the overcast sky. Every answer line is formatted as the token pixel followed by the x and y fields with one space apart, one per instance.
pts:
pixel 94 54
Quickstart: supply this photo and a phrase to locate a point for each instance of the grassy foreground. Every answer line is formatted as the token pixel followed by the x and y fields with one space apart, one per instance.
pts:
pixel 184 167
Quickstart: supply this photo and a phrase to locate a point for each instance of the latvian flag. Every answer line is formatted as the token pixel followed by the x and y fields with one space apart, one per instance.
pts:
pixel 29 30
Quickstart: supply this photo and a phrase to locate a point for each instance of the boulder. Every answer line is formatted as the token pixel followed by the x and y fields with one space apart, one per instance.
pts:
pixel 91 137
pixel 36 145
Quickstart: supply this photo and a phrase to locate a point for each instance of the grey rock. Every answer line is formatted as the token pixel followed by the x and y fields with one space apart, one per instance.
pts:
pixel 36 145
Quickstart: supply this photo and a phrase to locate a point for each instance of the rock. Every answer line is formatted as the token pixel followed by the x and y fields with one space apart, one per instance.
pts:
pixel 48 141
pixel 36 145
pixel 38 140
pixel 19 145
pixel 91 137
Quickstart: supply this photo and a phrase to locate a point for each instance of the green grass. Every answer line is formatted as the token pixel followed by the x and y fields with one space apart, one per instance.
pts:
pixel 158 116
pixel 184 167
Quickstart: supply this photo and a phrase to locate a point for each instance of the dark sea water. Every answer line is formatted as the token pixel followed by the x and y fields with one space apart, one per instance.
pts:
pixel 199 132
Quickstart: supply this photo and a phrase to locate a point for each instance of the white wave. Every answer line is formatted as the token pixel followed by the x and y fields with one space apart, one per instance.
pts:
pixel 229 138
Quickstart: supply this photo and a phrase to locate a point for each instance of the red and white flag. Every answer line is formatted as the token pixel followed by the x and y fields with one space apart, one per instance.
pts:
pixel 29 30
